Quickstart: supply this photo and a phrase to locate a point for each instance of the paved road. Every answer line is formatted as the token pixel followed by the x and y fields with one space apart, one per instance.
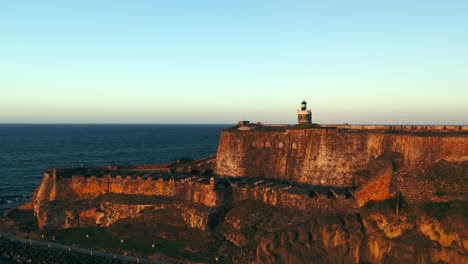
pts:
pixel 77 249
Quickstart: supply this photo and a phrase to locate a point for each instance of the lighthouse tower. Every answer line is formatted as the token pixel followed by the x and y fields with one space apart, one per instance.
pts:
pixel 304 116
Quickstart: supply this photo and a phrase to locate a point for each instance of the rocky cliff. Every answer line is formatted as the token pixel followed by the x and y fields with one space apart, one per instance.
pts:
pixel 354 238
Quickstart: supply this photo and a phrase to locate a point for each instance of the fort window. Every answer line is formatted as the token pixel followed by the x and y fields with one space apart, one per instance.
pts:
pixel 348 194
pixel 280 145
pixel 330 195
pixel 267 145
pixel 294 146
pixel 312 193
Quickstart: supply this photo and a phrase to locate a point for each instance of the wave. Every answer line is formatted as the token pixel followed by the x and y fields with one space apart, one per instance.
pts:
pixel 14 199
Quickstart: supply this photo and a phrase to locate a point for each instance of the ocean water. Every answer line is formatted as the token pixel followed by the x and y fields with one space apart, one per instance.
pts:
pixel 26 150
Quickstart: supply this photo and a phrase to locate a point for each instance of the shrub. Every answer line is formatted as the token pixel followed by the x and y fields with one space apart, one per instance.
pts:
pixel 440 193
pixel 436 210
pixel 249 232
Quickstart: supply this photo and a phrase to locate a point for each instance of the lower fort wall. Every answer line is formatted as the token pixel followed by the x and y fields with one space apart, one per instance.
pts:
pixel 80 187
pixel 330 156
pixel 295 201
pixel 197 198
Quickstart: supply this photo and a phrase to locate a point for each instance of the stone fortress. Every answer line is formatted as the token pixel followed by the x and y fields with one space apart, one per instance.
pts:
pixel 286 194
pixel 325 168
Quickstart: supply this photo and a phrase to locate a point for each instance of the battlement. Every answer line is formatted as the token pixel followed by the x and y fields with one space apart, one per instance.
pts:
pixel 197 189
pixel 415 128
pixel 202 166
pixel 245 126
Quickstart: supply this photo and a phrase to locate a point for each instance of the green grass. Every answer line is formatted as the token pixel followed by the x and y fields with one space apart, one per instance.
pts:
pixel 99 237
pixel 440 193
pixel 441 210
pixel 435 210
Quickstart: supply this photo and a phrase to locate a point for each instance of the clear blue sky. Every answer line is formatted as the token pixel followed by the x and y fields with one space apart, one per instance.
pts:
pixel 201 61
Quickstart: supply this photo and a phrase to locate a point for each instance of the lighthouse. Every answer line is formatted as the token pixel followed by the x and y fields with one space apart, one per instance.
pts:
pixel 304 116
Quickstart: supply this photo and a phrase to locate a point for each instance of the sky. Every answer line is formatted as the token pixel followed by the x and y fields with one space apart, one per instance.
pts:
pixel 111 61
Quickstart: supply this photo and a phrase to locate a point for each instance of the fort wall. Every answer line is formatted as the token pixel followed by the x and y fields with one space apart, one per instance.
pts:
pixel 333 156
pixel 295 200
pixel 130 193
pixel 188 189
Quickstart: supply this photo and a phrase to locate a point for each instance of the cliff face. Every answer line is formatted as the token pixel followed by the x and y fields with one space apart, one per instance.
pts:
pixel 353 240
pixel 276 236
pixel 333 157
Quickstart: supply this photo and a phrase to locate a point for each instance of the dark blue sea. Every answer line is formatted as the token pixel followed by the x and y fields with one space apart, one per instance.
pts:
pixel 26 150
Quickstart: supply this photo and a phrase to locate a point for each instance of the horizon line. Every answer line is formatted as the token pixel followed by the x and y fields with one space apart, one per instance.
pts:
pixel 351 124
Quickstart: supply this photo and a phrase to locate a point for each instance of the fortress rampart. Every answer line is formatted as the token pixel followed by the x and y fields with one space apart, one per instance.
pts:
pixel 408 128
pixel 104 199
pixel 336 156
pixel 189 189
pixel 201 190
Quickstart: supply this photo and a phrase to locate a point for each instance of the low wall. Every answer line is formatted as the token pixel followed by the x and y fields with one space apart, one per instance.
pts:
pixel 294 201
pixel 189 189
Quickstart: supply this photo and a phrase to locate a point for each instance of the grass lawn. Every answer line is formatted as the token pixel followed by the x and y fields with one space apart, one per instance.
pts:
pixel 103 238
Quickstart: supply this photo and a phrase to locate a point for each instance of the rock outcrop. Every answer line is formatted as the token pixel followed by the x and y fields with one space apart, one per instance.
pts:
pixel 352 238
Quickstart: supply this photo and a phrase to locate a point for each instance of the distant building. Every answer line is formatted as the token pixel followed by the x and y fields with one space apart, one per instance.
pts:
pixel 304 116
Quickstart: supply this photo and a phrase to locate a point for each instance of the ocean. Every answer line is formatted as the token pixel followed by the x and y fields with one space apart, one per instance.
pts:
pixel 27 150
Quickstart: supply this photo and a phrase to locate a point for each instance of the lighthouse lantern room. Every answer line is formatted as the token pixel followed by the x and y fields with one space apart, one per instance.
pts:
pixel 304 116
